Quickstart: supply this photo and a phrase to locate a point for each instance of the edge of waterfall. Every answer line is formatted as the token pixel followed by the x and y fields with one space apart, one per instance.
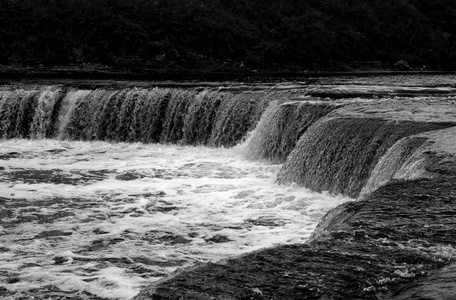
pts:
pixel 396 241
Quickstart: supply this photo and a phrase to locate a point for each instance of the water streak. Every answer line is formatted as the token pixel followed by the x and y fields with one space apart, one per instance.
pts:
pixel 238 115
pixel 281 127
pixel 391 162
pixel 130 115
pixel 339 154
pixel 200 118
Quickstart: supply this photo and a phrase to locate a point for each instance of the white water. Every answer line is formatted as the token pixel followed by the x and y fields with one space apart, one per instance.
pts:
pixel 189 205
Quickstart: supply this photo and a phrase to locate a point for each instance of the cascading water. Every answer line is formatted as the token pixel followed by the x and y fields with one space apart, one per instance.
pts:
pixel 200 118
pixel 16 111
pixel 131 115
pixel 391 162
pixel 281 127
pixel 86 215
pixel 173 125
pixel 66 110
pixel 339 154
pixel 86 218
pixel 237 116
pixel 212 118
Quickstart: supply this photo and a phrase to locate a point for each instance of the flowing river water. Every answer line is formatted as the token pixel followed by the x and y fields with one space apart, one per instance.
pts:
pixel 97 219
pixel 85 215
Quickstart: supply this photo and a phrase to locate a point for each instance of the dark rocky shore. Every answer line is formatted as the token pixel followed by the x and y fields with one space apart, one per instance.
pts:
pixel 394 243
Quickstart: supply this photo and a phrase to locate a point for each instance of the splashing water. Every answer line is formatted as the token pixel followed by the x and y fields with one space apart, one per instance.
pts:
pixel 148 115
pixel 90 219
pixel 97 220
pixel 281 126
pixel 320 162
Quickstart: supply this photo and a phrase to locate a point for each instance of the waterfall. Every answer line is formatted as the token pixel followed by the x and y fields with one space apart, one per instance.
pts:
pixel 200 118
pixel 320 150
pixel 157 115
pixel 237 116
pixel 391 162
pixel 66 111
pixel 339 154
pixel 172 128
pixel 44 116
pixel 16 113
pixel 281 127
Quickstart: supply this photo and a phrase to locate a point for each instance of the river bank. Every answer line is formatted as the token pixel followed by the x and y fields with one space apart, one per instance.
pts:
pixel 102 72
pixel 396 242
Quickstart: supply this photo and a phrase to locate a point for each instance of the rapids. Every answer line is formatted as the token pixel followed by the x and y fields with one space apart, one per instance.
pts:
pixel 97 219
pixel 88 215
pixel 104 189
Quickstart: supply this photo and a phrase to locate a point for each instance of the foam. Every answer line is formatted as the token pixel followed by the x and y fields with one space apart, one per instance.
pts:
pixel 186 205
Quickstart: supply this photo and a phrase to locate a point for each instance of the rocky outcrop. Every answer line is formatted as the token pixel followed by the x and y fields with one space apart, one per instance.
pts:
pixel 397 242
pixel 365 249
pixel 439 286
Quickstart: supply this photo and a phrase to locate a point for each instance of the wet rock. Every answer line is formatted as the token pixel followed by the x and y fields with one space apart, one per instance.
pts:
pixel 396 243
pixel 439 286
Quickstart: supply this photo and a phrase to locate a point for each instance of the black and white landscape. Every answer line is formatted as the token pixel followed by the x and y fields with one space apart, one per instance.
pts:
pixel 207 149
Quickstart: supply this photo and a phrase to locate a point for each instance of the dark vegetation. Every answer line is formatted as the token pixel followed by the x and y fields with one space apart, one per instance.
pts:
pixel 234 35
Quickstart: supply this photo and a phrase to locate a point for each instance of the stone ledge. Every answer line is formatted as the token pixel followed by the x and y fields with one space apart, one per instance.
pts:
pixel 398 243
pixel 398 235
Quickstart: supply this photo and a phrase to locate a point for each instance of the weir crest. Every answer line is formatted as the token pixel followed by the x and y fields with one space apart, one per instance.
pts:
pixel 325 145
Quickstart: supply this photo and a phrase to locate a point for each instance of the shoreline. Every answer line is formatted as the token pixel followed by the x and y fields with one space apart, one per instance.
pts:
pixel 191 75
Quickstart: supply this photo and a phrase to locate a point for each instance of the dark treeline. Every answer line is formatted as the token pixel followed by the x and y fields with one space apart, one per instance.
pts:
pixel 224 35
